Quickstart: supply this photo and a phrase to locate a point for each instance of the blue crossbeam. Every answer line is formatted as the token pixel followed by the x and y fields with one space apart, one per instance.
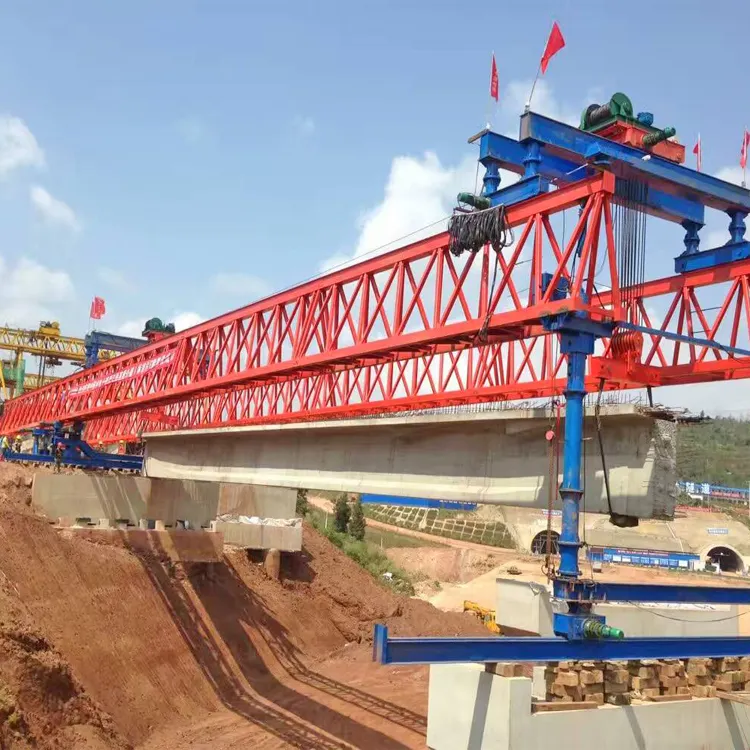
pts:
pixel 509 154
pixel 645 592
pixel 716 256
pixel 566 141
pixel 497 649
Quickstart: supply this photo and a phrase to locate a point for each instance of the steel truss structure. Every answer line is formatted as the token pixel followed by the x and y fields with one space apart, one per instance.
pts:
pixel 416 328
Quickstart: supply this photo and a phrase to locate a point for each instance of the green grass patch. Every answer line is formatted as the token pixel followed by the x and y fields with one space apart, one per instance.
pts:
pixel 385 539
pixel 366 554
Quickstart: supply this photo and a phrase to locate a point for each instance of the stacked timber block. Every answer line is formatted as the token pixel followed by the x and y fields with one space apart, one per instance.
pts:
pixel 620 683
pixel 730 675
pixel 576 681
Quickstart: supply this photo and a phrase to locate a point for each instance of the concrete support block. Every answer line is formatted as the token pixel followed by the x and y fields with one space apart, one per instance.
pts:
pixel 247 535
pixel 273 564
pixel 260 536
pixel 469 707
pixel 474 709
pixel 116 497
pixel 288 538
pixel 105 523
pixel 143 523
pixel 159 526
pixel 256 500
pixel 92 495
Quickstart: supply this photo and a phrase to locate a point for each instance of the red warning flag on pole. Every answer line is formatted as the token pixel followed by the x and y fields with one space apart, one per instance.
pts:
pixel 554 44
pixel 698 151
pixel 494 81
pixel 98 308
pixel 743 150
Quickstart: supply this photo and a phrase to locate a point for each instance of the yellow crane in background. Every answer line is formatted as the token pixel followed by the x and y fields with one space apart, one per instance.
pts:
pixel 46 343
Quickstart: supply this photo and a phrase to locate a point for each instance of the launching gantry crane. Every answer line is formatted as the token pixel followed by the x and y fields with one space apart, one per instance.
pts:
pixel 625 170
pixel 52 349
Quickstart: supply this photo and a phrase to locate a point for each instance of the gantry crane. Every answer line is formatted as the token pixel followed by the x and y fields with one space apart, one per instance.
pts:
pixel 52 349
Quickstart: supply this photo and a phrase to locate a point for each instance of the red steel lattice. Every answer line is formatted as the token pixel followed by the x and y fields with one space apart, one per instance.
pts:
pixel 410 329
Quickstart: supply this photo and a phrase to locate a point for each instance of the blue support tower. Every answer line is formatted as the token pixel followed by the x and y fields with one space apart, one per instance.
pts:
pixel 550 152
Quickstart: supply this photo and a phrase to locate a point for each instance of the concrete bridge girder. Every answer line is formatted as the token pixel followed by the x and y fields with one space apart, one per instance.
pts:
pixel 496 457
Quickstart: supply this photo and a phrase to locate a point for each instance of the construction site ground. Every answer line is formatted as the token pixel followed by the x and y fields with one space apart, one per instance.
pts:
pixel 102 647
pixel 449 571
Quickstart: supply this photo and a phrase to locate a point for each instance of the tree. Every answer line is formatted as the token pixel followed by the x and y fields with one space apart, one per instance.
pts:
pixel 357 523
pixel 341 513
pixel 302 504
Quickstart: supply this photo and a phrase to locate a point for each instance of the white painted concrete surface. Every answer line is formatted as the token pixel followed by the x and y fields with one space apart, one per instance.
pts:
pixel 470 709
pixel 528 607
pixel 497 457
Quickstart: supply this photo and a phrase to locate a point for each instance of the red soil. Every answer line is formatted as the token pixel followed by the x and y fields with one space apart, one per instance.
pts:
pixel 101 647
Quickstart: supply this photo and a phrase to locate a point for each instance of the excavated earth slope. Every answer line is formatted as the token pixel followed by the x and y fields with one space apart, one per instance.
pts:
pixel 101 647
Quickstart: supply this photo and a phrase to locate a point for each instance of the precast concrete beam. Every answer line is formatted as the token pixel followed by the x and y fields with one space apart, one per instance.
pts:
pixel 498 457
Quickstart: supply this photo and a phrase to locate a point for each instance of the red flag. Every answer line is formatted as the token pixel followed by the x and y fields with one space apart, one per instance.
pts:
pixel 494 81
pixel 554 44
pixel 743 151
pixel 698 151
pixel 98 308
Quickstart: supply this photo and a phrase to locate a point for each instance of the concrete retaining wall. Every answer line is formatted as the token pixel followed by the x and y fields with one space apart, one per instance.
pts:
pixel 260 536
pixel 168 500
pixel 498 457
pixel 471 709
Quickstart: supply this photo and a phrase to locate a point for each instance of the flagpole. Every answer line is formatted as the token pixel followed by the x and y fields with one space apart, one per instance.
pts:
pixel 744 168
pixel 489 103
pixel 533 86
pixel 538 71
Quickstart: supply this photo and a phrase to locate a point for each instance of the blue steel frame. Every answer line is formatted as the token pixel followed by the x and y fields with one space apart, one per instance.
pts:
pixel 493 649
pixel 551 151
pixel 75 451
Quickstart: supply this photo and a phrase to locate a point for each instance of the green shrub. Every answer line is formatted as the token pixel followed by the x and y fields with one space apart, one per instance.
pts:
pixel 357 523
pixel 341 513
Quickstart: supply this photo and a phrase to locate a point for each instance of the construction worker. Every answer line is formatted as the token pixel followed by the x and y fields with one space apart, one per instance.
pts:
pixel 17 444
pixel 58 457
pixel 4 445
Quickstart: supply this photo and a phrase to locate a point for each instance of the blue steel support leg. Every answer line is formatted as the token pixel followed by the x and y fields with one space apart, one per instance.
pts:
pixel 491 179
pixel 577 347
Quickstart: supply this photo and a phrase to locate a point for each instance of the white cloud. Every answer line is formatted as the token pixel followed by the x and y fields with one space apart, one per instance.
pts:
pixel 243 285
pixel 419 194
pixel 191 129
pixel 18 146
pixel 184 320
pixel 181 320
pixel 421 190
pixel 115 279
pixel 544 102
pixel 132 328
pixel 52 210
pixel 730 174
pixel 32 292
pixel 304 125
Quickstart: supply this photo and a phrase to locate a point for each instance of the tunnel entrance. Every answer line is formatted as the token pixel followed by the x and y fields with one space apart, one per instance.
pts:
pixel 727 559
pixel 539 543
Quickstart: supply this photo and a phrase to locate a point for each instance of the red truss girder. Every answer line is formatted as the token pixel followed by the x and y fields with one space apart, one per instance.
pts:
pixel 409 329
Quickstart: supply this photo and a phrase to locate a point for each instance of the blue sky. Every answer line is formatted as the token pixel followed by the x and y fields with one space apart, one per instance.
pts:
pixel 182 158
